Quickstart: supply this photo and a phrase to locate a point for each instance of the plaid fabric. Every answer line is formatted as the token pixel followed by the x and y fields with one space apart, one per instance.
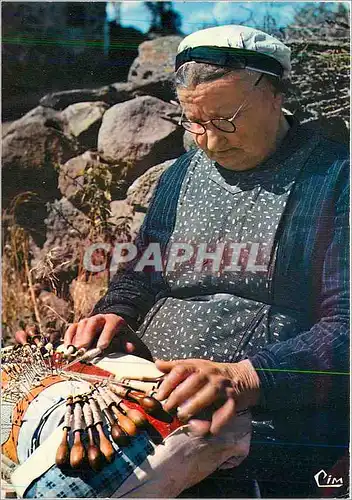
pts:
pixel 86 483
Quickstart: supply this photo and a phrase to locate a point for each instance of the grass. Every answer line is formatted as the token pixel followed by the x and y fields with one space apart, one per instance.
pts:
pixel 23 282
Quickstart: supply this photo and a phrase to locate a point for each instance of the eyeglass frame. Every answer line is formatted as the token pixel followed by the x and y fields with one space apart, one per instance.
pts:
pixel 229 120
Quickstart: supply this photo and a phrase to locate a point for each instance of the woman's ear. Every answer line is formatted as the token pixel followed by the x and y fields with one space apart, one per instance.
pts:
pixel 277 101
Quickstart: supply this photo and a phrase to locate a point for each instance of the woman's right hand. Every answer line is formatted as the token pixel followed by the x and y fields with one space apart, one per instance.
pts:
pixel 100 328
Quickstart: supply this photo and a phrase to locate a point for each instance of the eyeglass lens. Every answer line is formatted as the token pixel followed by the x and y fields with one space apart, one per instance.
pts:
pixel 220 123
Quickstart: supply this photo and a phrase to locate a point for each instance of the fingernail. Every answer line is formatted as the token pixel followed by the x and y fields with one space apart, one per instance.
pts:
pixel 182 414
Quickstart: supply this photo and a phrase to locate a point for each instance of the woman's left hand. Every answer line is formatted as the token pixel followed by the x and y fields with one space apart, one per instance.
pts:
pixel 195 384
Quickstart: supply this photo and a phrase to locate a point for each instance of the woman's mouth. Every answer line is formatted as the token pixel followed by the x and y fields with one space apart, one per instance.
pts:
pixel 223 153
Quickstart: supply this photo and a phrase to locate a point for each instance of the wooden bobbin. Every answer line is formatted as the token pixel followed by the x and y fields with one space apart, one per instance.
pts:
pixel 95 457
pixel 136 416
pixel 104 444
pixel 78 452
pixel 124 421
pixel 117 434
pixel 149 404
pixel 62 458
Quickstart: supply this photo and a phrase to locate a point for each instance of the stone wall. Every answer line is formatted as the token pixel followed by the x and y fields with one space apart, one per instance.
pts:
pixel 321 83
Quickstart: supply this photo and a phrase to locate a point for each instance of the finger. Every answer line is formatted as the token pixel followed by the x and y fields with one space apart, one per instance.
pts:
pixel 112 325
pixel 88 330
pixel 199 427
pixel 190 386
pixel 70 333
pixel 165 366
pixel 129 347
pixel 223 416
pixel 202 399
pixel 31 330
pixel 177 375
pixel 21 337
pixel 78 339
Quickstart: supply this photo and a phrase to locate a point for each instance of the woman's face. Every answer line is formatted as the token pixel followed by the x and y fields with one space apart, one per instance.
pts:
pixel 257 123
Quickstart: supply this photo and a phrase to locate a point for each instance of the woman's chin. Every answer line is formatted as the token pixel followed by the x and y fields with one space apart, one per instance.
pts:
pixel 233 160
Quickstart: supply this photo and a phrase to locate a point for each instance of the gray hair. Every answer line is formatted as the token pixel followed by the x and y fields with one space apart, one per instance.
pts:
pixel 191 74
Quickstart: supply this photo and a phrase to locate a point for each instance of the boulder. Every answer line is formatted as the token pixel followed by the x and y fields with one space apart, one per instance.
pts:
pixel 81 177
pixel 126 219
pixel 122 216
pixel 5 126
pixel 152 72
pixel 30 154
pixel 67 231
pixel 72 180
pixel 120 209
pixel 40 115
pixel 83 120
pixel 139 194
pixel 140 133
pixel 110 94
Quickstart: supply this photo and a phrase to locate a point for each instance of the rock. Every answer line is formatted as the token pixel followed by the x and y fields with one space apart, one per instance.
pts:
pixel 140 133
pixel 110 94
pixel 327 95
pixel 152 72
pixel 122 217
pixel 126 219
pixel 141 191
pixel 72 180
pixel 87 176
pixel 29 157
pixel 67 231
pixel 128 215
pixel 120 209
pixel 83 120
pixel 5 127
pixel 47 117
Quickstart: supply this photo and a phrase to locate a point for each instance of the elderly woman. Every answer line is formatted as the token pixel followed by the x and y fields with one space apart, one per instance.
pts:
pixel 250 308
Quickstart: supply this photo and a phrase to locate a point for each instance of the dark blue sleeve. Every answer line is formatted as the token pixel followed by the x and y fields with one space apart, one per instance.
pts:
pixel 131 293
pixel 312 368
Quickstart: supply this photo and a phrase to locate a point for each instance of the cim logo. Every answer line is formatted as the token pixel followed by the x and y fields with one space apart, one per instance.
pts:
pixel 325 480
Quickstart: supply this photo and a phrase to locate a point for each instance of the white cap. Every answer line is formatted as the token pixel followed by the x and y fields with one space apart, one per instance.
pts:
pixel 234 45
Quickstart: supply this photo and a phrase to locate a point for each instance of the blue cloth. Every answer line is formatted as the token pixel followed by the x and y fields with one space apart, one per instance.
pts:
pixel 86 483
pixel 308 371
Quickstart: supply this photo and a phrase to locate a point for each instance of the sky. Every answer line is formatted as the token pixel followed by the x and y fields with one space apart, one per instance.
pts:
pixel 196 14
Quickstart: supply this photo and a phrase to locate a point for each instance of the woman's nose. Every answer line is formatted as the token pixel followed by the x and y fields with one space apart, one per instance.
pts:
pixel 212 140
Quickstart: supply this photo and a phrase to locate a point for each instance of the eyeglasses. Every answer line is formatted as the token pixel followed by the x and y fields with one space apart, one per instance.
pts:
pixel 222 124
